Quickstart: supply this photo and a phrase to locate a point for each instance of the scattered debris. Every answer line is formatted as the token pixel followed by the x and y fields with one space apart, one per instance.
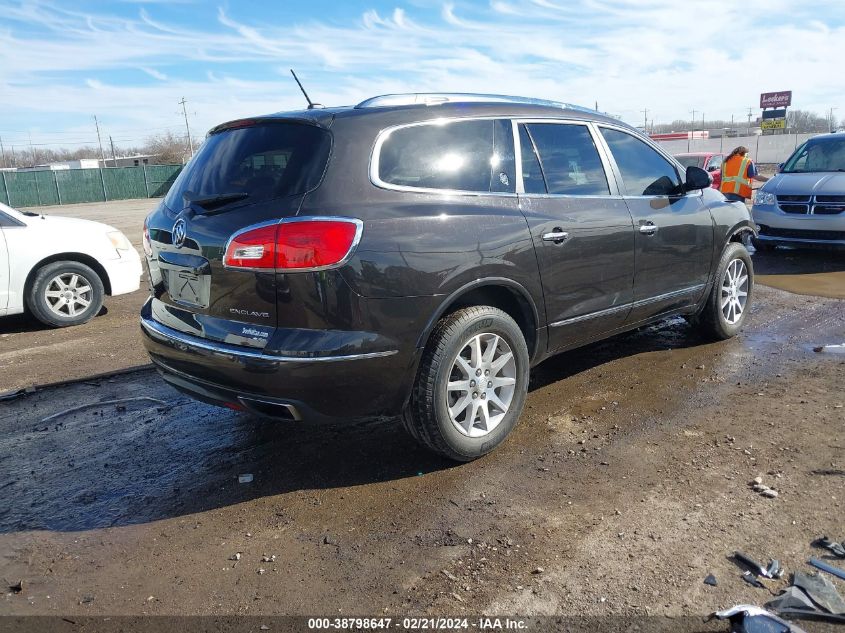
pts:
pixel 791 598
pixel 102 403
pixel 16 588
pixel 457 597
pixel 246 478
pixel 821 591
pixel 13 395
pixel 831 349
pixel 711 580
pixel 449 575
pixel 538 570
pixel 751 579
pixel 268 559
pixel 758 486
pixel 830 569
pixel 261 571
pixel 264 627
pixel 837 549
pixel 773 571
pixel 328 539
pixel 235 556
pixel 745 618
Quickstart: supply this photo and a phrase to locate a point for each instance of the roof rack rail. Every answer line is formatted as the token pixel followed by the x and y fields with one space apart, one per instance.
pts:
pixel 439 98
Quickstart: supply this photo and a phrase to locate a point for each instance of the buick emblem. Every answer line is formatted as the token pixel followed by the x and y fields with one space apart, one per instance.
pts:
pixel 180 232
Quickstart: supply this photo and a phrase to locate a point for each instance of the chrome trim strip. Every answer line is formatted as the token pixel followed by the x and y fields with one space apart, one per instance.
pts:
pixel 591 315
pixel 634 305
pixel 517 158
pixel 359 230
pixel 798 240
pixel 155 328
pixel 294 412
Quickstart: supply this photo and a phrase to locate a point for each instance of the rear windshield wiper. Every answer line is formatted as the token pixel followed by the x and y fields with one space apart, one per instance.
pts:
pixel 214 201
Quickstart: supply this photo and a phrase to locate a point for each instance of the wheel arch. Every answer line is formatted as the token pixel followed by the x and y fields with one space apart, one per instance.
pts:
pixel 498 292
pixel 80 258
pixel 738 231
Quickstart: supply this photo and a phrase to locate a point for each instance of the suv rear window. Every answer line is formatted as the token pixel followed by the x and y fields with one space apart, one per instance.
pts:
pixel 462 155
pixel 264 161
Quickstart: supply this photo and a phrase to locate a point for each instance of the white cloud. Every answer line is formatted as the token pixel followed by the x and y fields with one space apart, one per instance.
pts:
pixel 155 74
pixel 669 57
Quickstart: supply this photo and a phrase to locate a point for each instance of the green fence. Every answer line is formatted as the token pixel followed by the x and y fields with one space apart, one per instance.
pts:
pixel 70 186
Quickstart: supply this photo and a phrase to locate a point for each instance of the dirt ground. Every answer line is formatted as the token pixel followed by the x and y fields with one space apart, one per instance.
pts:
pixel 624 485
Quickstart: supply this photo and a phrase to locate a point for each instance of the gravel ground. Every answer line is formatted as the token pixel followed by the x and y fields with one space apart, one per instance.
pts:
pixel 624 485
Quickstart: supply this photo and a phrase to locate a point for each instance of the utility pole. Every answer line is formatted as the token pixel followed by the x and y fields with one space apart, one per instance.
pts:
pixel 31 150
pixel 645 119
pixel 113 157
pixel 830 120
pixel 100 141
pixel 748 129
pixel 3 152
pixel 692 129
pixel 187 127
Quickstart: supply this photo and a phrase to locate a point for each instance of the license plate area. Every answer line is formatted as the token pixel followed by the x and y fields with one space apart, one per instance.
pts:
pixel 188 289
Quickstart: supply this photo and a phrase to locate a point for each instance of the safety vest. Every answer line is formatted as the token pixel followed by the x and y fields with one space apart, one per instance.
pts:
pixel 734 176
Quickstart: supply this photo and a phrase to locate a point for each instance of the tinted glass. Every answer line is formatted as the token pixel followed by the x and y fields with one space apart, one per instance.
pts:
pixel 263 161
pixel 644 171
pixel 715 163
pixel 828 155
pixel 532 175
pixel 569 158
pixel 463 155
pixel 691 161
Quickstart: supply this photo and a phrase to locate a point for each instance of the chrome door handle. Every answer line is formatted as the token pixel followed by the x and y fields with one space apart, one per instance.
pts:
pixel 556 235
pixel 650 228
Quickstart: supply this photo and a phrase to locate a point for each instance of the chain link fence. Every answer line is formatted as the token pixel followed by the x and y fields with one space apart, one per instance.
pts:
pixel 71 186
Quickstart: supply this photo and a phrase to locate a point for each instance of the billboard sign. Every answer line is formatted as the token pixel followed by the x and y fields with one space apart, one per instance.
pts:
pixel 774 114
pixel 773 124
pixel 781 99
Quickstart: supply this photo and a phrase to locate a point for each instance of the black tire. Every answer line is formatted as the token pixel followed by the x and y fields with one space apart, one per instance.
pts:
pixel 762 247
pixel 427 419
pixel 712 321
pixel 45 281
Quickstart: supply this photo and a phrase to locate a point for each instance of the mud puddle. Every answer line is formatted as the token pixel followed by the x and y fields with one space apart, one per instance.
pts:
pixel 625 481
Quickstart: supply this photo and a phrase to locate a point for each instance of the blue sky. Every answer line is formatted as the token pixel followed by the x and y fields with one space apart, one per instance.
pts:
pixel 131 61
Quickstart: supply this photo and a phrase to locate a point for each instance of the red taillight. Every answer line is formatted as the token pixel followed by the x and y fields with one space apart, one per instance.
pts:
pixel 294 245
pixel 253 249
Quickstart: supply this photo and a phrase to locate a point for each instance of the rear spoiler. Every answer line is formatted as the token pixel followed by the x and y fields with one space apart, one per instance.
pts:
pixel 322 120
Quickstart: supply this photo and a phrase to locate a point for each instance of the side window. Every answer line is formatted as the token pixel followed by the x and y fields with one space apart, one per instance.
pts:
pixel 463 155
pixel 569 159
pixel 715 163
pixel 532 175
pixel 644 171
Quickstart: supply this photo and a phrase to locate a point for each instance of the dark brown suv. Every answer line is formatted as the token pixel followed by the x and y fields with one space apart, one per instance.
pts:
pixel 416 255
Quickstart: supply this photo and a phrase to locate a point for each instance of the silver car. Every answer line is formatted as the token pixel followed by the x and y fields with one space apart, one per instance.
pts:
pixel 804 204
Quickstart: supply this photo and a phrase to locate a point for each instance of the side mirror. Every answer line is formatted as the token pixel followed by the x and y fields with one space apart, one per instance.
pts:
pixel 712 168
pixel 697 178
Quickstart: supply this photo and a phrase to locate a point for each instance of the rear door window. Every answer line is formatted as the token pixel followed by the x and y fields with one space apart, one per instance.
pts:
pixel 569 159
pixel 644 171
pixel 475 155
pixel 261 161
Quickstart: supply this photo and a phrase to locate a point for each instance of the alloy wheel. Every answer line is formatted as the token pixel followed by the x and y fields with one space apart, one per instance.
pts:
pixel 481 386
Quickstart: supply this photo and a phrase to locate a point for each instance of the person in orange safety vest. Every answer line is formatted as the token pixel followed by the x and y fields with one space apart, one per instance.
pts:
pixel 737 173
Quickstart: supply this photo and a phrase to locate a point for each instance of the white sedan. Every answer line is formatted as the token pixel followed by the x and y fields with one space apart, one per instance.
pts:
pixel 61 268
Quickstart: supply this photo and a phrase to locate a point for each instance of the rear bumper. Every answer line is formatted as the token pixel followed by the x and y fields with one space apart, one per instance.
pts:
pixel 324 388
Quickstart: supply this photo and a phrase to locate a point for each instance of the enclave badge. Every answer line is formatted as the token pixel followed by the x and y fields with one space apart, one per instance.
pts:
pixel 179 233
